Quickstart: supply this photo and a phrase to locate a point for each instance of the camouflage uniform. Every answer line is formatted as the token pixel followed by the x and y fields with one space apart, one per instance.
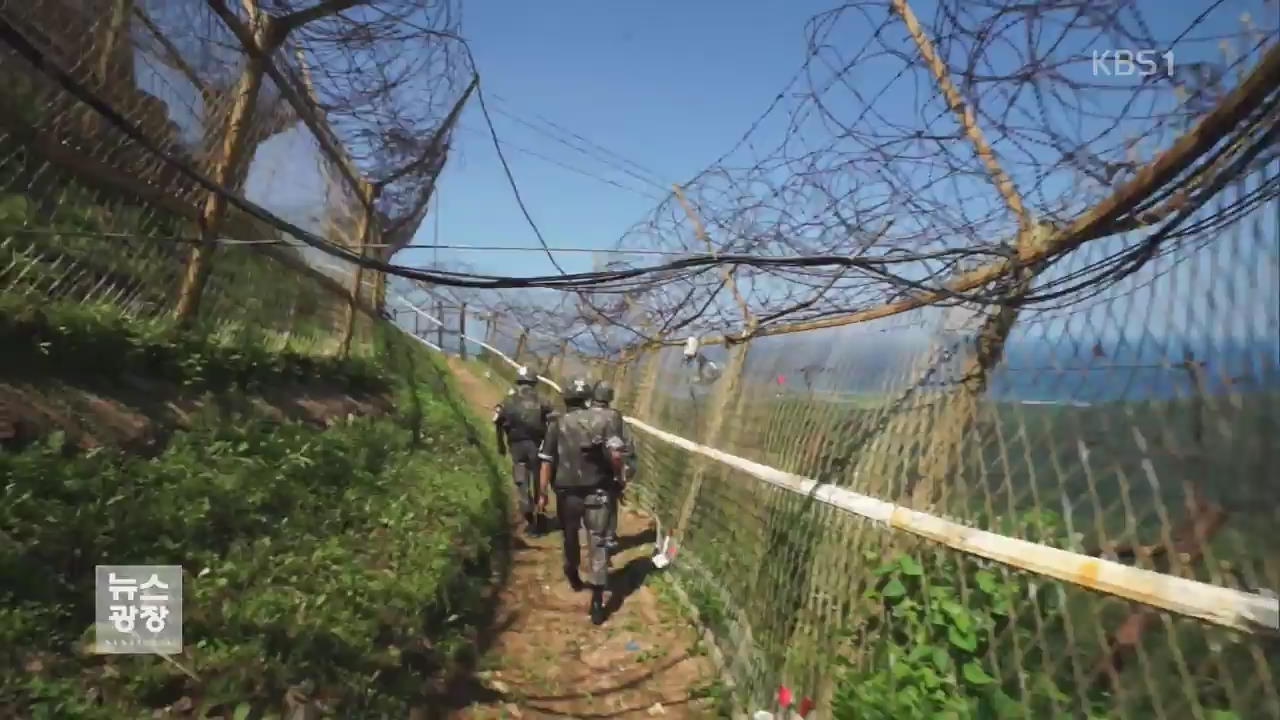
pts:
pixel 602 396
pixel 513 420
pixel 577 447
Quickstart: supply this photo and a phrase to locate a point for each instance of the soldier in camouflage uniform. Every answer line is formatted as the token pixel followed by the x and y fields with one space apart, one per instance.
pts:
pixel 601 398
pixel 584 451
pixel 520 421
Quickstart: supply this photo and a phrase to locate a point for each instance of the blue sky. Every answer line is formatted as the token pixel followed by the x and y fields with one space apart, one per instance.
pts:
pixel 669 86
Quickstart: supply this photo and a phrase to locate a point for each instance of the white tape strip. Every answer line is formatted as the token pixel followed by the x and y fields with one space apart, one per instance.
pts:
pixel 1250 612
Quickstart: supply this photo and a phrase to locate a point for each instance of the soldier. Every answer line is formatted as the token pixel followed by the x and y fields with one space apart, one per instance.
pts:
pixel 601 398
pixel 520 421
pixel 584 451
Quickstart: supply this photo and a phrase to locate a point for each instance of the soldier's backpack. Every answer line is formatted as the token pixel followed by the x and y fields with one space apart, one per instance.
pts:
pixel 524 416
pixel 581 449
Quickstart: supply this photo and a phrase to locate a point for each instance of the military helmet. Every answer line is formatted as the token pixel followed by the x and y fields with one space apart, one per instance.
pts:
pixel 603 392
pixel 525 376
pixel 577 390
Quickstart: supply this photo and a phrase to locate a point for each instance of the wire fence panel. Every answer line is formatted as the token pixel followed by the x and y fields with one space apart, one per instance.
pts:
pixel 948 505
pixel 1137 425
pixel 112 109
pixel 1104 433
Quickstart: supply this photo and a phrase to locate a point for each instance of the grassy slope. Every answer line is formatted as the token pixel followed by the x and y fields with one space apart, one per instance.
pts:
pixel 336 565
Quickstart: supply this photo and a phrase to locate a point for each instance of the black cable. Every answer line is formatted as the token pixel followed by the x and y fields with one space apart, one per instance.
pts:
pixel 511 180
pixel 15 39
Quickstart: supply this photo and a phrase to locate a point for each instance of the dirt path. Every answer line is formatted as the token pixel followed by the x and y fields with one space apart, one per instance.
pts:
pixel 548 661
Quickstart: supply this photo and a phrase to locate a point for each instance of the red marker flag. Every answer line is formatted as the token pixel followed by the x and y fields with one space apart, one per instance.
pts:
pixel 784 696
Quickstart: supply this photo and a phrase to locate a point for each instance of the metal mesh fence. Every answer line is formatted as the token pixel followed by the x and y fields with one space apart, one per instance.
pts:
pixel 933 506
pixel 92 218
pixel 1137 425
pixel 1134 426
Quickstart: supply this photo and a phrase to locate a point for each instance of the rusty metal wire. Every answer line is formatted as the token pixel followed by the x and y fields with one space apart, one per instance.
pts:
pixel 1140 426
pixel 92 217
pixel 863 155
pixel 1120 403
pixel 1117 399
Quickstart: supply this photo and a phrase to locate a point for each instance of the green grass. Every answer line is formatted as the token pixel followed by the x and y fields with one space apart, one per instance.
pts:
pixel 77 339
pixel 347 562
pixel 132 258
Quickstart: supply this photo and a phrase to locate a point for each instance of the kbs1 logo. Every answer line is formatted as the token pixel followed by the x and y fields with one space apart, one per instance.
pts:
pixel 1122 63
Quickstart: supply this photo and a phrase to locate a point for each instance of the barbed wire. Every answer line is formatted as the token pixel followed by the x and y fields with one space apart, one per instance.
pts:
pixel 810 217
pixel 847 156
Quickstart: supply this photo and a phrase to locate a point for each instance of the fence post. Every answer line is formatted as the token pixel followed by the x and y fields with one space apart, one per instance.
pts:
pixel 109 48
pixel 462 331
pixel 364 229
pixel 730 384
pixel 491 331
pixel 417 325
pixel 524 337
pixel 440 324
pixel 228 167
pixel 648 385
pixel 556 366
pixel 940 463
pixel 953 423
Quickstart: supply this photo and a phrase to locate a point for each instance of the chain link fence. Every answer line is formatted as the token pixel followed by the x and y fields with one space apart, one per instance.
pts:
pixel 94 216
pixel 1114 430
pixel 938 508
pixel 1136 425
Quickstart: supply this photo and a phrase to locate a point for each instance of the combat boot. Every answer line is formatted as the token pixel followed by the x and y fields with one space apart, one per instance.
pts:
pixel 597 606
pixel 575 581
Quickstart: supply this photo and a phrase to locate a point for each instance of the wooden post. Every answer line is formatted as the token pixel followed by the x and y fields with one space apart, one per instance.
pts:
pixel 440 324
pixel 1195 371
pixel 556 366
pixel 364 230
pixel 648 385
pixel 949 428
pixel 380 286
pixel 462 331
pixel 491 330
pixel 227 170
pixel 417 324
pixel 941 461
pixel 729 386
pixel 117 30
pixel 520 343
pixel 726 273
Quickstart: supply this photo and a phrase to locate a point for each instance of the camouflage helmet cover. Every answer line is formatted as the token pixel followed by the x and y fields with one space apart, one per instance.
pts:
pixel 577 390
pixel 603 392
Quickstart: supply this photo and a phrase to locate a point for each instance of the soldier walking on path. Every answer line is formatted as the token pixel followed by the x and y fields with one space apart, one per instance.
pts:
pixel 520 421
pixel 601 399
pixel 584 451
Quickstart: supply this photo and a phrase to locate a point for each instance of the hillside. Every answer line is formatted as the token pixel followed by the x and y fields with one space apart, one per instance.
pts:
pixel 338 522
